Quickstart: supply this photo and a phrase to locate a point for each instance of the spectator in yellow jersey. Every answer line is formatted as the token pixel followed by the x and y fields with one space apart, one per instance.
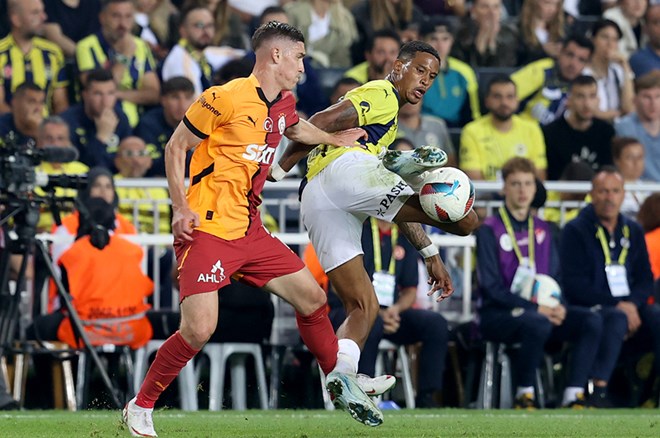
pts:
pixel 543 85
pixel 133 161
pixel 490 141
pixel 24 56
pixel 128 58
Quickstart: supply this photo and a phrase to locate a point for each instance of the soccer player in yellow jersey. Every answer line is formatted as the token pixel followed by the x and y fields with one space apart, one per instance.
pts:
pixel 347 185
pixel 218 232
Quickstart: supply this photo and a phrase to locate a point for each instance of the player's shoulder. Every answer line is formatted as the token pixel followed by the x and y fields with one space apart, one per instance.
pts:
pixel 381 90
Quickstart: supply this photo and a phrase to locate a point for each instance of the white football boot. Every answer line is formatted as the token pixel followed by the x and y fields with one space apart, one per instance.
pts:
pixel 346 394
pixel 376 386
pixel 139 420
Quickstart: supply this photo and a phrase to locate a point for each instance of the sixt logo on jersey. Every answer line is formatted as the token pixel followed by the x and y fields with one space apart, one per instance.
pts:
pixel 206 105
pixel 261 153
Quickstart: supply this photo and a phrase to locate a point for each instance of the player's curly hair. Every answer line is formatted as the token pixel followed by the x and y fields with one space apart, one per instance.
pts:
pixel 275 29
pixel 410 49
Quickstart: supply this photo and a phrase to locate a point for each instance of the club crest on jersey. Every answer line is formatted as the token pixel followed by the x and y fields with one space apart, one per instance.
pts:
pixel 281 124
pixel 268 124
pixel 216 275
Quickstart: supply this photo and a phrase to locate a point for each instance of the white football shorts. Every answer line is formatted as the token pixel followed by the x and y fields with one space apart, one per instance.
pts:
pixel 336 202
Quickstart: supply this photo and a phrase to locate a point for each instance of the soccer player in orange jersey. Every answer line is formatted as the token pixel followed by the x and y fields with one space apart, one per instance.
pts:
pixel 217 228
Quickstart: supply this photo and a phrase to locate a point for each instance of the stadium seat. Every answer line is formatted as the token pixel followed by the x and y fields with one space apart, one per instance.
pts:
pixel 392 353
pixel 236 353
pixel 186 379
pixel 497 381
pixel 117 356
pixel 63 386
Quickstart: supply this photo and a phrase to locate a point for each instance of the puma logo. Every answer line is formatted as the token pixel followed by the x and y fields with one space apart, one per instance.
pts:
pixel 214 96
pixel 452 190
pixel 254 122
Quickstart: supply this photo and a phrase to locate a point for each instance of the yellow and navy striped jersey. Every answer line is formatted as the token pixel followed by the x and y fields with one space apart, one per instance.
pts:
pixel 377 105
pixel 43 64
pixel 95 52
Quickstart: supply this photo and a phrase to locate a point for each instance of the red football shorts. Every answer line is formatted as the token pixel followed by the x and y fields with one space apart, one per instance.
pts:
pixel 208 262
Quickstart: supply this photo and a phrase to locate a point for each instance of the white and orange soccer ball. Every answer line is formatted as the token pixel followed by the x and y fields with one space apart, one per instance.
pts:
pixel 447 195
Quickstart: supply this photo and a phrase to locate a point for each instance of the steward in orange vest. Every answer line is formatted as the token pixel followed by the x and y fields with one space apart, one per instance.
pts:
pixel 103 275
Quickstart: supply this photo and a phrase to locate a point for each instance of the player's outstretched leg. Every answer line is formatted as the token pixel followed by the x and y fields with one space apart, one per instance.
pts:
pixel 346 394
pixel 415 162
pixel 139 420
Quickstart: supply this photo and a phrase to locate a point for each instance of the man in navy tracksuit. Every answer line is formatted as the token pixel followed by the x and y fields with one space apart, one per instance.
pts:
pixel 605 266
pixel 505 262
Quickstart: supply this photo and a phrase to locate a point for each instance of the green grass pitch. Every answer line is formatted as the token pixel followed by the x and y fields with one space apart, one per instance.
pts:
pixel 308 424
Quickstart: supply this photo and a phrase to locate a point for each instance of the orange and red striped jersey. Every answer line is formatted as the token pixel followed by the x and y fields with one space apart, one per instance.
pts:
pixel 240 129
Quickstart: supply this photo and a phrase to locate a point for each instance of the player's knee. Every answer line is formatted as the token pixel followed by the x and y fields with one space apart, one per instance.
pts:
pixel 198 332
pixel 313 300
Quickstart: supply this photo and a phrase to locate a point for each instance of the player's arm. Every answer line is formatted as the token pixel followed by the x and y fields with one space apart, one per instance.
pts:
pixel 439 278
pixel 183 218
pixel 338 117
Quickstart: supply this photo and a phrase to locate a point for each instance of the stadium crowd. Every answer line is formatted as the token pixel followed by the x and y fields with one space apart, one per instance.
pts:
pixel 528 91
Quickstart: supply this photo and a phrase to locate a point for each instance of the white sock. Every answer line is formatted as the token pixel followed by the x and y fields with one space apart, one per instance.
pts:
pixel 570 394
pixel 135 407
pixel 524 390
pixel 348 356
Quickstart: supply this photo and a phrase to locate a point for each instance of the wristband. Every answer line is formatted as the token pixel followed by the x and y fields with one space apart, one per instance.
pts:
pixel 277 172
pixel 429 251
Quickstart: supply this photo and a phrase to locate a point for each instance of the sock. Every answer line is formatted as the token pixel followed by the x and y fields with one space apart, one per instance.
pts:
pixel 524 390
pixel 171 357
pixel 348 356
pixel 319 336
pixel 570 395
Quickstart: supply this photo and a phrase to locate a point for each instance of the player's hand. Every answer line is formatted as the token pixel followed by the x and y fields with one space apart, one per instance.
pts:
pixel 349 137
pixel 184 221
pixel 439 278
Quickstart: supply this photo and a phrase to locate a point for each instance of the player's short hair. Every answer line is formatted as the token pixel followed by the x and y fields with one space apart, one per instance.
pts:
pixel 410 49
pixel 497 80
pixel 647 81
pixel 583 80
pixel 518 164
pixel 176 84
pixel 619 144
pixel 273 30
pixel 98 75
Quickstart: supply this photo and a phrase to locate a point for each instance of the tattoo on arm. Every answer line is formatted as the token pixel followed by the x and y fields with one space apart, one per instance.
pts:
pixel 346 118
pixel 415 234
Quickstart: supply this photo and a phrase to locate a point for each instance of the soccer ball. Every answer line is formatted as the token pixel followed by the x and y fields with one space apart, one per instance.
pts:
pixel 543 291
pixel 447 195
